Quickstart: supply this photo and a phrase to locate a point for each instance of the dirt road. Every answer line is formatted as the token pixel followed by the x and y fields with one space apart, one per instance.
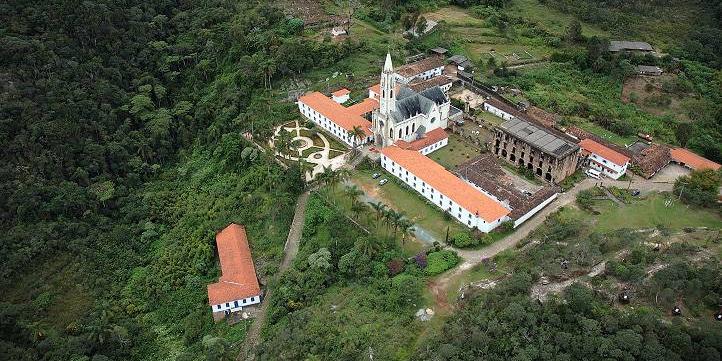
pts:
pixel 473 257
pixel 290 250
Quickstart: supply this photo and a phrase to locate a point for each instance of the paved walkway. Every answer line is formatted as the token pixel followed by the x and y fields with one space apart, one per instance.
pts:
pixel 290 250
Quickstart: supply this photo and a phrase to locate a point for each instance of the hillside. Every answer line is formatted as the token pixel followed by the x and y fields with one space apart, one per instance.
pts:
pixel 132 132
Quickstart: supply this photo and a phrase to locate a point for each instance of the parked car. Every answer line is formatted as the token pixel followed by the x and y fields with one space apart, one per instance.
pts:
pixel 375 175
pixel 634 192
pixel 592 173
pixel 383 181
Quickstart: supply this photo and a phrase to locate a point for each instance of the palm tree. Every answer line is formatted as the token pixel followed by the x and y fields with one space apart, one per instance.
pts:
pixel 359 208
pixel 396 219
pixel 359 135
pixel 353 193
pixel 380 210
pixel 407 229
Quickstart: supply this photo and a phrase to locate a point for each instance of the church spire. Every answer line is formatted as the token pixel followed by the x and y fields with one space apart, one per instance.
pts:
pixel 388 86
pixel 388 67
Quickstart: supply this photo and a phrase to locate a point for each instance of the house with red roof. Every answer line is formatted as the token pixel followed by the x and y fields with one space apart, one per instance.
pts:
pixel 238 285
pixel 604 159
pixel 686 158
pixel 341 96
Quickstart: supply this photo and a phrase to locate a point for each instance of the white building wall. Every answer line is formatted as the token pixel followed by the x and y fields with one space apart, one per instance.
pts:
pixel 536 209
pixel 434 196
pixel 498 112
pixel 609 169
pixel 342 99
pixel 237 305
pixel 328 125
pixel 425 75
pixel 432 147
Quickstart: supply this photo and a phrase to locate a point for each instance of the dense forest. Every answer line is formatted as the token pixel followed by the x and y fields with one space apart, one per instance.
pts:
pixel 130 135
pixel 122 156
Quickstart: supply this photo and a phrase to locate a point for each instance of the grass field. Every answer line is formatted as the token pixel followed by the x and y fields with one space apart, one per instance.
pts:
pixel 456 152
pixel 430 218
pixel 551 20
pixel 651 212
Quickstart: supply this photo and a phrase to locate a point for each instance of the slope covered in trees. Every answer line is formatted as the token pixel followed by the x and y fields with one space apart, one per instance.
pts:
pixel 122 155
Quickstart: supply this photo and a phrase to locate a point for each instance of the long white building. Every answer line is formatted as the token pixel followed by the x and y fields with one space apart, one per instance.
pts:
pixel 453 195
pixel 335 118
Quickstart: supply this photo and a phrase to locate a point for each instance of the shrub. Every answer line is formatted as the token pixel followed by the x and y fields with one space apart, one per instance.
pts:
pixel 395 266
pixel 441 261
pixel 463 240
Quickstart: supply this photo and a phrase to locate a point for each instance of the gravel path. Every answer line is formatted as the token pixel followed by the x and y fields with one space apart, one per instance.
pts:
pixel 290 250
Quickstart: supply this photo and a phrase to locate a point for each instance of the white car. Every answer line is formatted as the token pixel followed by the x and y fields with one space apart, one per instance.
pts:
pixel 592 173
pixel 383 181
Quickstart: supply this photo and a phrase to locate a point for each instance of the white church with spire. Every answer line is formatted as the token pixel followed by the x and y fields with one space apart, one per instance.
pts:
pixel 407 118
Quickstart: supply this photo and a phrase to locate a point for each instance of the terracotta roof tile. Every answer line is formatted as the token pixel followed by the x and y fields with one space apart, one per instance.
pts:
pixel 428 139
pixel 692 160
pixel 341 92
pixel 375 88
pixel 607 153
pixel 420 66
pixel 238 274
pixel 335 112
pixel 422 85
pixel 366 106
pixel 446 183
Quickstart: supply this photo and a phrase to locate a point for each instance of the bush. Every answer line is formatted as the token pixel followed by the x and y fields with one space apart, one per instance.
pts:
pixel 438 262
pixel 463 240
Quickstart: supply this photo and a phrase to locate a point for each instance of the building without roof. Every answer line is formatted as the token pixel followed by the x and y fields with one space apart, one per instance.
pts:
pixel 487 175
pixel 630 46
pixel 601 158
pixel 461 200
pixel 238 285
pixel 548 153
pixel 649 70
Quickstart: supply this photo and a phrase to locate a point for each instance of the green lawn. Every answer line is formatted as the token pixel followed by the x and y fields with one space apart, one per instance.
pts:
pixel 606 134
pixel 410 246
pixel 651 212
pixel 429 217
pixel 456 152
pixel 549 19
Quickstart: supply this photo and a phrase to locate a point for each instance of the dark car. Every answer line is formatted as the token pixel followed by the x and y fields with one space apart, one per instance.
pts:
pixel 375 175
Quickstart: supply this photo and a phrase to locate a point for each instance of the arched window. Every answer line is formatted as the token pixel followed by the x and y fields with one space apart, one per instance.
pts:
pixel 433 119
pixel 413 127
pixel 399 132
pixel 391 133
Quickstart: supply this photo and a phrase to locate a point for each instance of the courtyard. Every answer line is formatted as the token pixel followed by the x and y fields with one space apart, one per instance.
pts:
pixel 295 142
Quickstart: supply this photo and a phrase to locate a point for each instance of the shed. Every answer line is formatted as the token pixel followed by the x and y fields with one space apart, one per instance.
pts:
pixel 438 51
pixel 649 70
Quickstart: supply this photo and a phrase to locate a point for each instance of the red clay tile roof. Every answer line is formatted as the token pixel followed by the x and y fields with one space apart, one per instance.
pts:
pixel 422 85
pixel 335 112
pixel 692 160
pixel 607 153
pixel 375 88
pixel 429 138
pixel 238 274
pixel 341 92
pixel 448 184
pixel 420 66
pixel 365 107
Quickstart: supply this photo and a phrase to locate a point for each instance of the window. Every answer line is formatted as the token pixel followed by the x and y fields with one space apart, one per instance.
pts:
pixel 253 299
pixel 227 304
pixel 235 303
pixel 218 307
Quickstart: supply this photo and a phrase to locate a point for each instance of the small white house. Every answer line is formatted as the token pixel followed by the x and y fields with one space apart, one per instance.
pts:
pixel 238 285
pixel 338 31
pixel 605 160
pixel 341 96
pixel 499 109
